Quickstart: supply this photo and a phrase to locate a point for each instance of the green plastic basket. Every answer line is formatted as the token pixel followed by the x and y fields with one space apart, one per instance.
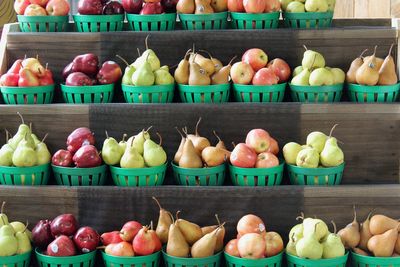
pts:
pixel 161 22
pixel 43 23
pixel 211 176
pixel 28 95
pixel 83 260
pixel 22 260
pixel 212 261
pixel 99 23
pixel 139 261
pixel 308 20
pixel 274 261
pixel 218 93
pixel 316 94
pixel 148 94
pixel 37 175
pixel 80 176
pixel 294 261
pixel 94 94
pixel 259 93
pixel 247 21
pixel 257 176
pixel 373 94
pixel 368 261
pixel 151 176
pixel 315 176
pixel 214 21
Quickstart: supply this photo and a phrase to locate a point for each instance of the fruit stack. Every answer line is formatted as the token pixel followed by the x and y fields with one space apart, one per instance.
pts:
pixel 201 79
pixel 257 80
pixel 197 162
pixel 42 15
pixel 254 14
pixel 137 162
pixel 27 82
pixel 314 82
pixel 146 81
pixel 99 16
pixel 86 83
pixel 319 162
pixel 24 159
pixel 308 14
pixel 255 162
pixel 81 163
pixel 373 79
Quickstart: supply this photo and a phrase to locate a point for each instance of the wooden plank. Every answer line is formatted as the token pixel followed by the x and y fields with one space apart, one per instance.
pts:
pixel 395 9
pixel 3 49
pixel 372 9
pixel 344 9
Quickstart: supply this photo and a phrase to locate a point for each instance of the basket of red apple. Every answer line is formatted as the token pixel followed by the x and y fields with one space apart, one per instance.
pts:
pixel 308 14
pixel 197 162
pixel 254 246
pixel 255 14
pixel 255 163
pixel 59 242
pixel 319 162
pixel 372 79
pixel 99 16
pixel 27 82
pixel 86 83
pixel 80 164
pixel 201 79
pixel 42 15
pixel 257 80
pixel 314 82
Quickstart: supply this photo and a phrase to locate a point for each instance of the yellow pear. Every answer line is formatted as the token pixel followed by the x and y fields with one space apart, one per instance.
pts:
pixel 367 74
pixel 219 5
pixel 355 65
pixel 178 153
pixel 222 76
pixel 181 73
pixel 190 157
pixel 185 6
pixel 383 245
pixel 381 223
pixel 350 235
pixel 387 72
pixel 365 233
pixel 203 7
pixel 177 245
pixel 205 63
pixel 164 223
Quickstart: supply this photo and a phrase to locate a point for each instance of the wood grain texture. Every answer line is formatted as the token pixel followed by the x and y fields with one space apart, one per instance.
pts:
pixel 372 9
pixel 344 9
pixel 395 8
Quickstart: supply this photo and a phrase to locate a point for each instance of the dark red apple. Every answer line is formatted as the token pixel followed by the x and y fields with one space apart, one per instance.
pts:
pixel 62 158
pixel 67 70
pixel 169 5
pixel 111 238
pixel 132 6
pixel 152 8
pixel 78 79
pixel 113 8
pixel 86 239
pixel 79 137
pixel 110 72
pixel 90 7
pixel 64 224
pixel 86 63
pixel 87 157
pixel 62 246
pixel 41 234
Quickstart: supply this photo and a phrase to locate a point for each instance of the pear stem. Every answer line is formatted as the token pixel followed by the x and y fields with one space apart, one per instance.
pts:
pixel 230 62
pixel 315 57
pixel 334 227
pixel 208 53
pixel 158 203
pixel 107 134
pixel 194 57
pixel 216 135
pixel 138 51
pixel 363 52
pixel 292 237
pixel 30 126
pixel 123 60
pixel 219 222
pixel 333 128
pixel 123 137
pixel 301 217
pixel 179 132
pixel 187 53
pixel 234 145
pixel 26 227
pixel 176 214
pixel 47 65
pixel 7 135
pixel 315 227
pixel 184 130
pixel 2 219
pixel 151 225
pixel 390 50
pixel 305 47
pixel 22 118
pixel 171 216
pixel 197 127
pixel 194 48
pixel 44 138
pixel 159 136
pixel 148 129
pixel 2 207
pixel 145 42
pixel 375 50
pixel 132 141
pixel 355 213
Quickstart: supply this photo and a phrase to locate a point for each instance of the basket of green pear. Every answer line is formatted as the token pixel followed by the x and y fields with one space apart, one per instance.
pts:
pixel 255 162
pixel 80 164
pixel 313 82
pixel 312 245
pixel 254 246
pixel 137 162
pixel 144 81
pixel 319 162
pixel 24 159
pixel 15 242
pixel 201 79
pixel 197 162
pixel 308 14
pixel 372 79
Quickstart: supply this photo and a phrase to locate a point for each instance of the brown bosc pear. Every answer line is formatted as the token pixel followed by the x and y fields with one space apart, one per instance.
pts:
pixel 350 234
pixel 190 158
pixel 220 143
pixel 217 63
pixel 365 233
pixel 387 72
pixel 208 229
pixel 205 246
pixel 181 73
pixel 164 223
pixel 360 251
pixel 214 156
pixel 367 74
pixel 203 7
pixel 219 5
pixel 177 245
pixel 383 245
pixel 355 65
pixel 205 63
pixel 397 246
pixel 381 223
pixel 222 76
pixel 191 231
pixel 220 235
pixel 197 75
pixel 185 6
pixel 379 61
pixel 199 142
pixel 178 153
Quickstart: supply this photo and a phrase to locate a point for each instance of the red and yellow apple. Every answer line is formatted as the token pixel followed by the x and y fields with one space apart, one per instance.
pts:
pixel 241 73
pixel 41 3
pixel 272 6
pixel 250 223
pixel 273 146
pixel 20 6
pixel 58 7
pixel 232 249
pixel 254 6
pixel 258 139
pixel 281 69
pixel 273 244
pixel 256 57
pixel 35 10
pixel 265 76
pixel 235 6
pixel 243 156
pixel 251 246
pixel 266 160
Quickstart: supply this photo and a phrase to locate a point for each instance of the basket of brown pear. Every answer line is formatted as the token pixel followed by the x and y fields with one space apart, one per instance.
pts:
pixel 197 162
pixel 372 79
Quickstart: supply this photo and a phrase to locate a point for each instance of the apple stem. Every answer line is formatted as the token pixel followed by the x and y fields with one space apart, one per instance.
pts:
pixel 22 118
pixel 44 138
pixel 233 58
pixel 2 207
pixel 158 203
pixel 138 51
pixel 177 214
pixel 197 127
pixel 145 42
pixel 333 128
pixel 305 47
pixel 123 60
pixel 216 135
pixel 151 225
pixel 234 145
pixel 179 132
pixel 159 136
pixel 363 52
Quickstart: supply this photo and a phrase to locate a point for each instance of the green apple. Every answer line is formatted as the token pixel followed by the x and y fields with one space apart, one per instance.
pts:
pixel 316 6
pixel 338 75
pixel 295 7
pixel 320 77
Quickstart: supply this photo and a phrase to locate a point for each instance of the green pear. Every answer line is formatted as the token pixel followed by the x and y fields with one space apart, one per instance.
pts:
pixel 8 242
pixel 295 7
pixel 122 143
pixel 24 155
pixel 152 59
pixel 309 248
pixel 316 140
pixel 308 158
pixel 316 228
pixel 3 216
pixel 165 67
pixel 131 158
pixel 297 70
pixel 24 242
pixel 42 153
pixel 154 155
pixel 127 78
pixel 6 153
pixel 302 79
pixel 291 246
pixel 290 152
pixel 312 60
pixel 331 155
pixel 316 6
pixel 321 77
pixel 331 5
pixel 35 139
pixel 296 233
pixel 332 245
pixel 111 151
pixel 285 3
pixel 23 130
pixel 137 141
pixel 338 75
pixel 163 76
pixel 143 76
pixel 20 227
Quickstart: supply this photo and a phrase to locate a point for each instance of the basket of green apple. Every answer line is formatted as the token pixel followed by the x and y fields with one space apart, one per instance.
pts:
pixel 24 159
pixel 372 79
pixel 313 82
pixel 99 16
pixel 137 162
pixel 312 245
pixel 308 14
pixel 197 162
pixel 145 81
pixel 319 162
pixel 86 83
pixel 255 81
pixel 42 15
pixel 80 164
pixel 202 14
pixel 255 15
pixel 27 82
pixel 201 79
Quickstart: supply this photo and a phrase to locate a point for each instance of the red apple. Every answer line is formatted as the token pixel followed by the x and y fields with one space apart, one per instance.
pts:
pixel 90 7
pixel 274 244
pixel 254 6
pixel 235 6
pixel 251 246
pixel 122 249
pixel 129 230
pixel 267 160
pixel 143 244
pixel 87 157
pixel 265 76
pixel 272 6
pixel 250 223
pixel 152 9
pixel 62 246
pixel 35 10
pixel 20 6
pixel 41 3
pixel 110 72
pixel 132 6
pixel 62 158
pixel 273 146
pixel 9 79
pixel 113 8
pixel 281 69
pixel 41 234
pixel 232 249
pixel 58 7
pixel 258 139
pixel 243 156
pixel 110 238
pixel 86 63
pixel 86 239
pixel 241 73
pixel 78 79
pixel 79 137
pixel 64 224
pixel 169 5
pixel 256 57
